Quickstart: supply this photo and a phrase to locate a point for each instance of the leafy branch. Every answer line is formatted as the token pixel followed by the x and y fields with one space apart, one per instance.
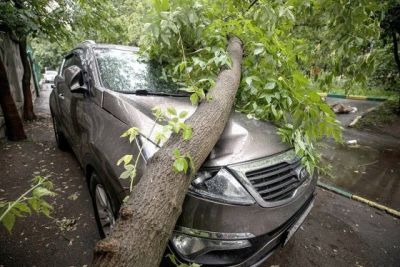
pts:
pixel 32 199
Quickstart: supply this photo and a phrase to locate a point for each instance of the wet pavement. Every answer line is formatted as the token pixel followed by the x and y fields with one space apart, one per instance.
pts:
pixel 338 231
pixel 367 171
pixel 371 167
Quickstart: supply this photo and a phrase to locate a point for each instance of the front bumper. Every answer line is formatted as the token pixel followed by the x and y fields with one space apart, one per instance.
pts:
pixel 261 247
pixel 264 229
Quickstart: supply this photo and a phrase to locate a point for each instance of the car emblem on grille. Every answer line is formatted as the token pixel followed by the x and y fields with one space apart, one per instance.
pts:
pixel 301 174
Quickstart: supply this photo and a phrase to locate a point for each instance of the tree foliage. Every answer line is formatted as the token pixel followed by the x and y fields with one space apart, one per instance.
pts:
pixel 293 49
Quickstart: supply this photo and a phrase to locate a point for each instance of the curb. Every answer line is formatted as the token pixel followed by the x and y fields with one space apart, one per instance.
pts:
pixel 355 97
pixel 349 195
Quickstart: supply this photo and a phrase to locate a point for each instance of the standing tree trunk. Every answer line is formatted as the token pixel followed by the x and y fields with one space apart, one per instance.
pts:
pixel 148 218
pixel 26 82
pixel 396 50
pixel 14 126
pixel 397 60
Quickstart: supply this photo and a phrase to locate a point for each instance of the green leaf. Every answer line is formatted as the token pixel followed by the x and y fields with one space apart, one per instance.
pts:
pixel 194 99
pixel 180 165
pixel 165 39
pixel 22 207
pixel 159 137
pixel 41 192
pixel 125 159
pixel 33 202
pixel 249 80
pixel 45 207
pixel 172 259
pixel 270 85
pixel 176 153
pixel 200 93
pixel 187 133
pixel 171 111
pixel 183 114
pixel 132 133
pixel 258 50
pixel 8 221
pixel 125 175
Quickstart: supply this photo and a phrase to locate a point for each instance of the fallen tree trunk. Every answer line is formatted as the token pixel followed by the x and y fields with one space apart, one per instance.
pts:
pixel 14 127
pixel 148 218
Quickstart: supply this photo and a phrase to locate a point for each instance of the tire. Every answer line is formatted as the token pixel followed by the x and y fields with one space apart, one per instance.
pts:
pixel 62 142
pixel 103 209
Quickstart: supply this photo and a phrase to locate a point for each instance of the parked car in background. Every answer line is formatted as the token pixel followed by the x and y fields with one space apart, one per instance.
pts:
pixel 49 75
pixel 248 198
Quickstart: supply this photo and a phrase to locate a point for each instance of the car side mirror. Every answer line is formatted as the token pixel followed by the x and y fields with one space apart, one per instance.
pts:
pixel 74 79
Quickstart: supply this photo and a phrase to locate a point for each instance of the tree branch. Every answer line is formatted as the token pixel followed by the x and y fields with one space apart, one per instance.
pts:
pixel 156 201
pixel 251 5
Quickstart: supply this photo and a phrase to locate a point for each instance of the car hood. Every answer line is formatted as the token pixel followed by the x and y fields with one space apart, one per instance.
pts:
pixel 243 139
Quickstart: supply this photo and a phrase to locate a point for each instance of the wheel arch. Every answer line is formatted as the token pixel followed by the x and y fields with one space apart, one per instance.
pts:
pixel 91 165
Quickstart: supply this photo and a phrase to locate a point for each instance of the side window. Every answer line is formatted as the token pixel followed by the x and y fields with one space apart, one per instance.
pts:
pixel 60 69
pixel 72 59
pixel 68 61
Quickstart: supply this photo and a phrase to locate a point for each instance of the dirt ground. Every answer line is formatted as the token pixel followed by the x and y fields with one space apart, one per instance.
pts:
pixel 338 232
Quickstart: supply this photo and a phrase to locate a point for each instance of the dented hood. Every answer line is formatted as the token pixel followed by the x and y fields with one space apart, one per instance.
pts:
pixel 243 139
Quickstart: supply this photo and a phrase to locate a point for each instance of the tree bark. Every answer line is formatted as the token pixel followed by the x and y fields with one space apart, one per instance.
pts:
pixel 148 218
pixel 26 82
pixel 14 127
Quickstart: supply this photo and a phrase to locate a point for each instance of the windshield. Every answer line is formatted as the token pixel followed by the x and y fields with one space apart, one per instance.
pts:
pixel 123 71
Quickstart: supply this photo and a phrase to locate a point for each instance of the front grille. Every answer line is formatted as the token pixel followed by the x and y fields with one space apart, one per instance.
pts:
pixel 276 182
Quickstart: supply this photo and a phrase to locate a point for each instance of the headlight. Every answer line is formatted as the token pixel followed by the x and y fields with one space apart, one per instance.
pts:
pixel 220 186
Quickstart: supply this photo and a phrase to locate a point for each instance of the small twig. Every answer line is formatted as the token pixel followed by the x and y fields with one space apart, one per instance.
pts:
pixel 367 164
pixel 251 5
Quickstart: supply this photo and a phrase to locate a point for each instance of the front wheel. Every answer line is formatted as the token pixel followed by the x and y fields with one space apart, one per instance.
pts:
pixel 103 210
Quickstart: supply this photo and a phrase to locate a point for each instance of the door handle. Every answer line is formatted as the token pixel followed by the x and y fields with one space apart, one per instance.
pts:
pixel 61 96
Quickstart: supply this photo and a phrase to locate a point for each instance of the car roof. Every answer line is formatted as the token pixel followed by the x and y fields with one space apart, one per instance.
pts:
pixel 92 44
pixel 120 47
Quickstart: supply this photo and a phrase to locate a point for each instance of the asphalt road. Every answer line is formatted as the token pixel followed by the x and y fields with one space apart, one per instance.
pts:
pixel 371 168
pixel 338 232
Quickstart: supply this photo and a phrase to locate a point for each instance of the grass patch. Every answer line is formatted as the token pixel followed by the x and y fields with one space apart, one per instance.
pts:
pixel 383 115
pixel 372 92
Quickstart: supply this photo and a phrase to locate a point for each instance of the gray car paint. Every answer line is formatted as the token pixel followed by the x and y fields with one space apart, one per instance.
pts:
pixel 243 139
pixel 93 123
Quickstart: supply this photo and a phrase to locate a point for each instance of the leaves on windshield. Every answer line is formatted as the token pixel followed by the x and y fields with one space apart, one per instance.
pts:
pixel 123 71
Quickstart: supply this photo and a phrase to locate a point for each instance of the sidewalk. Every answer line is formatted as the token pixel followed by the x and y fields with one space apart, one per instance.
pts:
pixel 37 240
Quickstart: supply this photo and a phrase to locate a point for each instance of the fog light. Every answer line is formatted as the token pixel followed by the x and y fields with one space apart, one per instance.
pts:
pixel 189 247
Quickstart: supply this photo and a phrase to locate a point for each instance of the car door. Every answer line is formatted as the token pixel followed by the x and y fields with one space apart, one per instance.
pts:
pixel 68 101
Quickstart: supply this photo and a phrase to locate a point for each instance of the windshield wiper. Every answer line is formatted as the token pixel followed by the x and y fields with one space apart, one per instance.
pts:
pixel 147 92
